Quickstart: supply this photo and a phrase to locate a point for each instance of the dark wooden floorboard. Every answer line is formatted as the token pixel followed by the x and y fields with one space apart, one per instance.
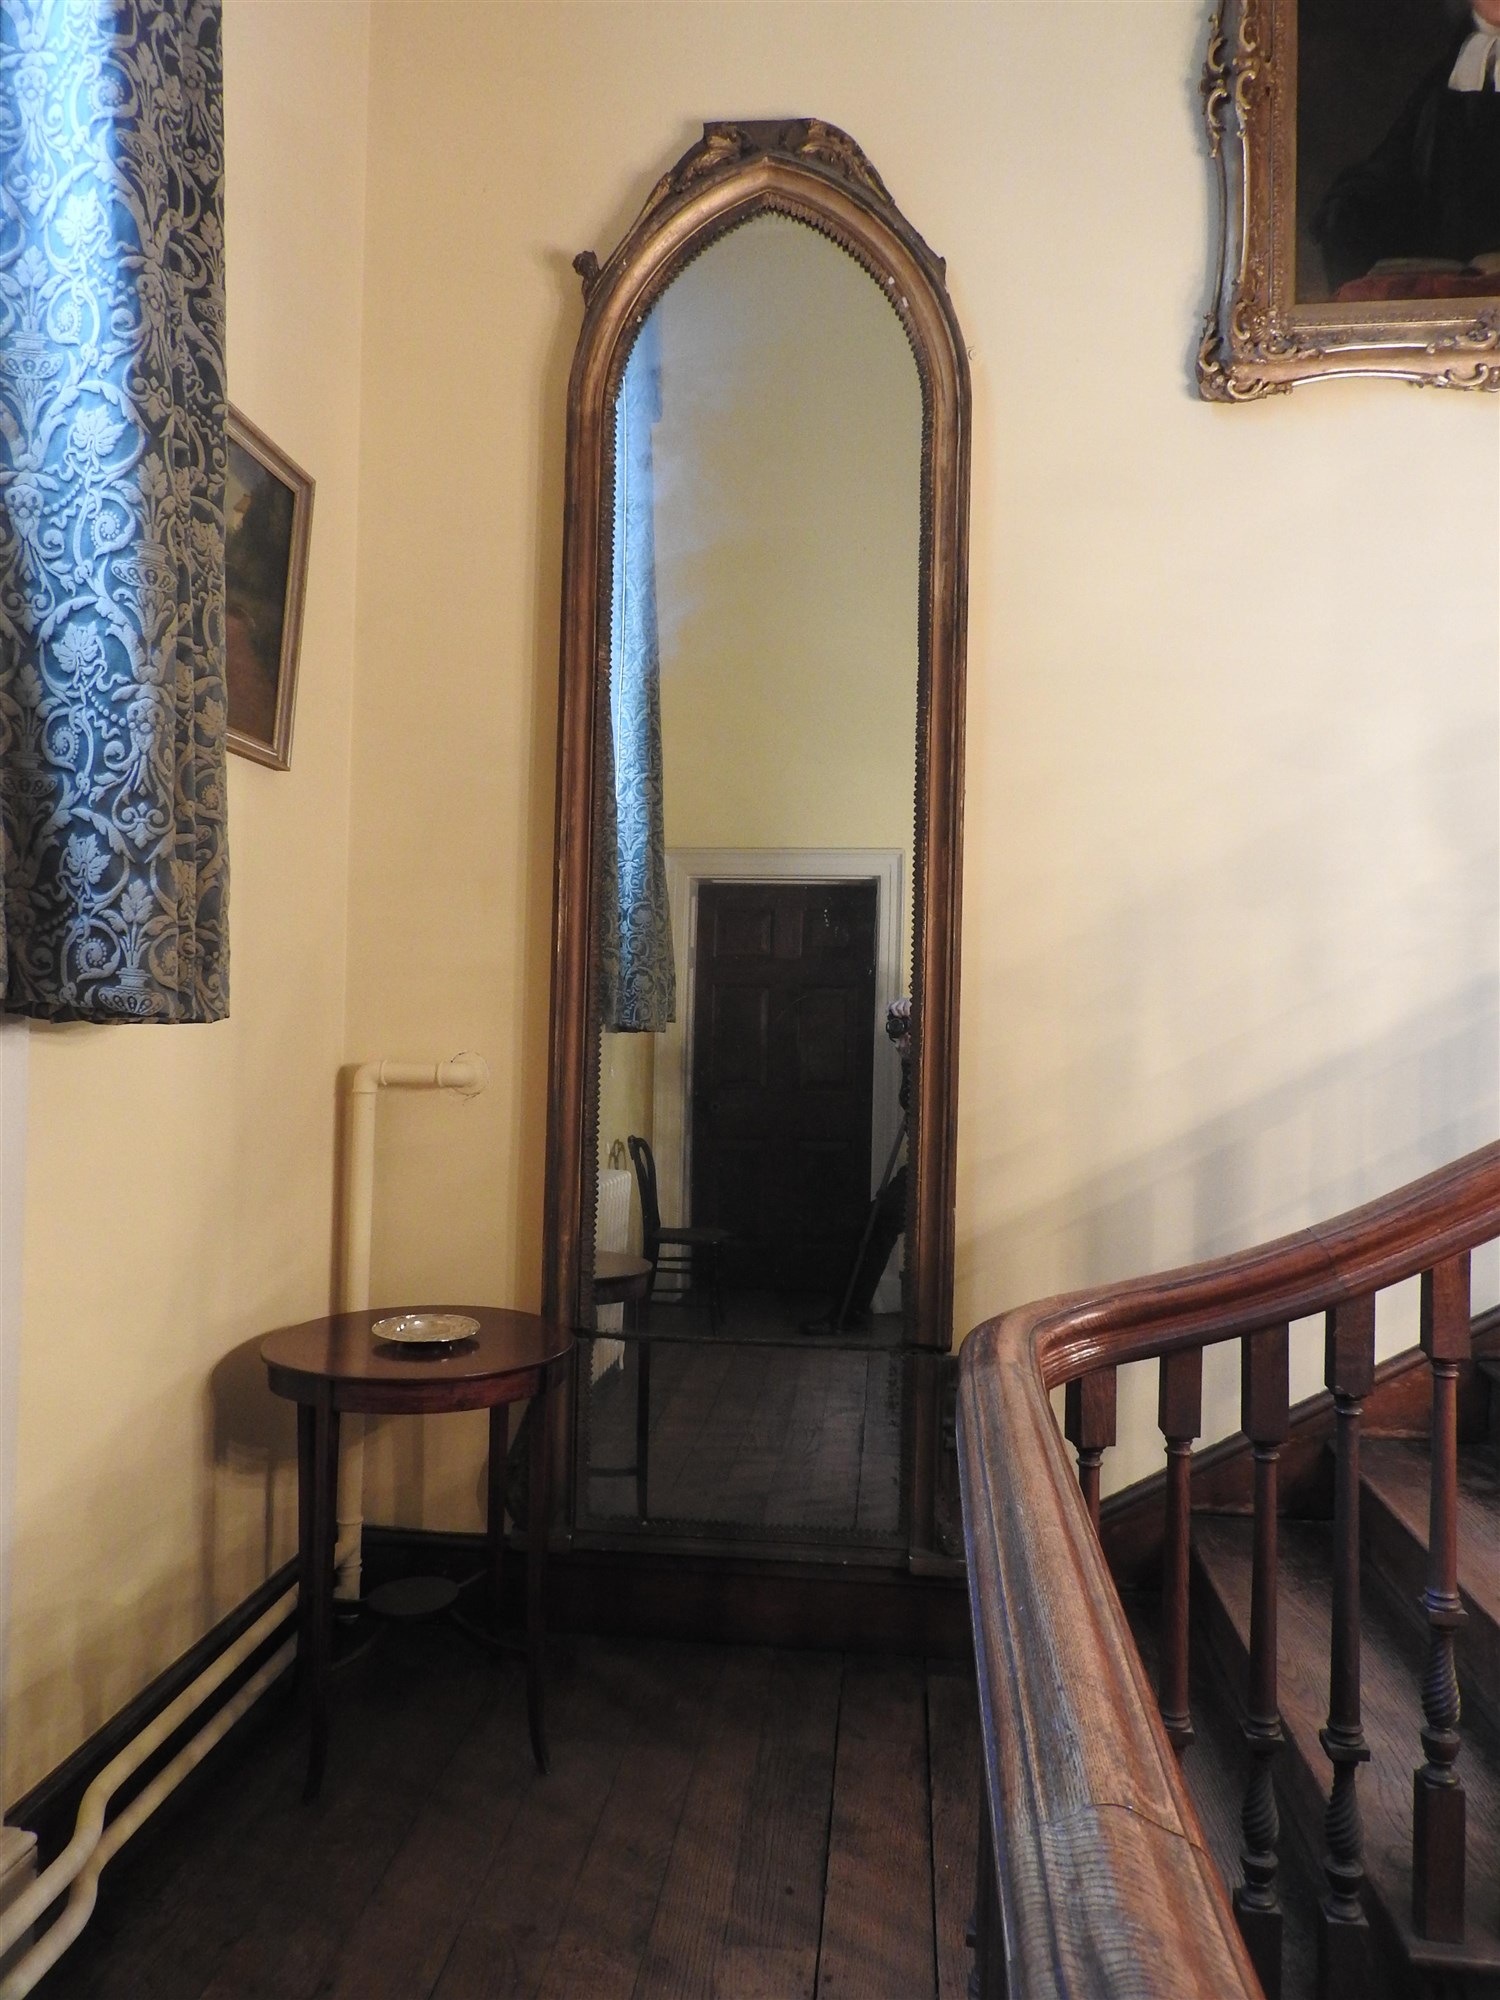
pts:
pixel 169 1908
pixel 954 1754
pixel 877 1917
pixel 614 1901
pixel 331 1856
pixel 719 1824
pixel 682 1954
pixel 502 1949
pixel 220 1896
pixel 406 1931
pixel 770 1949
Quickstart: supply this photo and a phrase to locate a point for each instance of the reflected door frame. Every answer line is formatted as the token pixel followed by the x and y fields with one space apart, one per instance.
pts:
pixel 687 869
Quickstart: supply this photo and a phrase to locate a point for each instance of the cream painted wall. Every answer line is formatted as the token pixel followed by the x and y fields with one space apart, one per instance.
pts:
pixel 788 467
pixel 179 1184
pixel 627 1071
pixel 1230 942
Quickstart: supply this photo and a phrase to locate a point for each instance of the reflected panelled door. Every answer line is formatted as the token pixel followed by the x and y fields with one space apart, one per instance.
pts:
pixel 782 1076
pixel 786 1053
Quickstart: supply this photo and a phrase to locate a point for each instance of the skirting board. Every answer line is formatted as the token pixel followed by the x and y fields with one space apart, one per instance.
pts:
pixel 50 1809
pixel 722 1600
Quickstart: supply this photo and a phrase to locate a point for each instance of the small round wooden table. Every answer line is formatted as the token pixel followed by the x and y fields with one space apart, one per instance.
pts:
pixel 329 1366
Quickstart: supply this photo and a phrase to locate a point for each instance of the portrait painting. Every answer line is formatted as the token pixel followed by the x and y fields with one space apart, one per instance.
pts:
pixel 1358 149
pixel 267 526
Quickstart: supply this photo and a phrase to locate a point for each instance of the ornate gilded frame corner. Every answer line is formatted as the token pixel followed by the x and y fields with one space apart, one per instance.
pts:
pixel 1257 339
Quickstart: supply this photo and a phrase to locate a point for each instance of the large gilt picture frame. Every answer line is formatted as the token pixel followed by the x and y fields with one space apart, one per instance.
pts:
pixel 1357 153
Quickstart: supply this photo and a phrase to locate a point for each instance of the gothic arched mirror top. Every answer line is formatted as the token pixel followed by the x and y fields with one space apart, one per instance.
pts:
pixel 812 174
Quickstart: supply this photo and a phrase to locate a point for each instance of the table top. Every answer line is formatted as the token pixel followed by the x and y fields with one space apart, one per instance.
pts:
pixel 617 1270
pixel 340 1348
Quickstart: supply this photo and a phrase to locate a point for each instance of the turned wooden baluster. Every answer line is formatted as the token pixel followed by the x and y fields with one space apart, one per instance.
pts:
pixel 1264 1403
pixel 1438 1807
pixel 1180 1415
pixel 1343 1931
pixel 1089 1426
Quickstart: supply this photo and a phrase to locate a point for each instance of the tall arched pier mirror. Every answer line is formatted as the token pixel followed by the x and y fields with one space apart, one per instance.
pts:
pixel 758 846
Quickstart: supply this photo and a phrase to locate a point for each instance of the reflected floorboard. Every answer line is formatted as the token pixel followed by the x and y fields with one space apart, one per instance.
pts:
pixel 754 1425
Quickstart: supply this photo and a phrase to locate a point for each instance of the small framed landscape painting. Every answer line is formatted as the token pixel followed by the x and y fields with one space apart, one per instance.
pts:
pixel 267 526
pixel 1357 147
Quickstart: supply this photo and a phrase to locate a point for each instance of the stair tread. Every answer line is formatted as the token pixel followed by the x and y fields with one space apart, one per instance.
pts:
pixel 1399 1471
pixel 1392 1718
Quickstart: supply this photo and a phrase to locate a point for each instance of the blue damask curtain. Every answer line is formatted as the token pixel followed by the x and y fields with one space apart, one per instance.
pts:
pixel 113 888
pixel 639 979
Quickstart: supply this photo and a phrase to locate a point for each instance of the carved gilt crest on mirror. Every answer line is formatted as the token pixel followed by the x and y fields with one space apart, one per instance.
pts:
pixel 1357 158
pixel 849 889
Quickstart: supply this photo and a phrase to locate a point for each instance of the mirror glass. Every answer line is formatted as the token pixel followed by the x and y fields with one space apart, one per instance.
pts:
pixel 757 874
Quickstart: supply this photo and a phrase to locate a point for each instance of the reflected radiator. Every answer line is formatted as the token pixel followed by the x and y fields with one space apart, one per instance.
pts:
pixel 611 1232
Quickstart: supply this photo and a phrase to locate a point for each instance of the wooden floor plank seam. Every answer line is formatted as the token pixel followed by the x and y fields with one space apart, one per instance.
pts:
pixel 644 1736
pixel 838 1724
pixel 932 1881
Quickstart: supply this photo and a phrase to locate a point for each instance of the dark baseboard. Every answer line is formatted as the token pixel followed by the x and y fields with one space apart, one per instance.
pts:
pixel 50 1809
pixel 723 1600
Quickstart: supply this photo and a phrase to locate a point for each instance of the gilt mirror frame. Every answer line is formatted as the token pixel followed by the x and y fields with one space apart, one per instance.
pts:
pixel 815 174
pixel 1258 338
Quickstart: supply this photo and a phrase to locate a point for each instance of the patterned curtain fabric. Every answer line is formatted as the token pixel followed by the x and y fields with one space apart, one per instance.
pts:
pixel 113 889
pixel 638 975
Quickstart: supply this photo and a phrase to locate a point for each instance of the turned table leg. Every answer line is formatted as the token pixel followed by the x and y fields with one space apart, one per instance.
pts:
pixel 538 1518
pixel 318 1467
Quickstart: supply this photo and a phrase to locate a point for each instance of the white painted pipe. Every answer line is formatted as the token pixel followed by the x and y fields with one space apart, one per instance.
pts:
pixel 465 1074
pixel 50 1947
pixel 78 1867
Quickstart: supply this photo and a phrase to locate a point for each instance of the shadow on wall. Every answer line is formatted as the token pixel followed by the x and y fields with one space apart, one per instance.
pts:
pixel 252 1437
pixel 106 1601
pixel 1340 1133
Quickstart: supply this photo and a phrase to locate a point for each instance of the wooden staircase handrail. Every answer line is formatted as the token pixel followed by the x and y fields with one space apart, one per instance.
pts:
pixel 1103 1885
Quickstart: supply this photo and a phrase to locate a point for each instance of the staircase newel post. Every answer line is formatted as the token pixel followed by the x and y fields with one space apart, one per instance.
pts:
pixel 1089 1426
pixel 1264 1410
pixel 1180 1416
pixel 1343 1929
pixel 1438 1804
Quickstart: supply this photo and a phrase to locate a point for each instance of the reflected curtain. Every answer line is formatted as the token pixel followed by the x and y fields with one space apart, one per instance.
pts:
pixel 113 890
pixel 639 980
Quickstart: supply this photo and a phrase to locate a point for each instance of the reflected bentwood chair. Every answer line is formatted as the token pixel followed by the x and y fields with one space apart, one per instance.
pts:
pixel 675 1250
